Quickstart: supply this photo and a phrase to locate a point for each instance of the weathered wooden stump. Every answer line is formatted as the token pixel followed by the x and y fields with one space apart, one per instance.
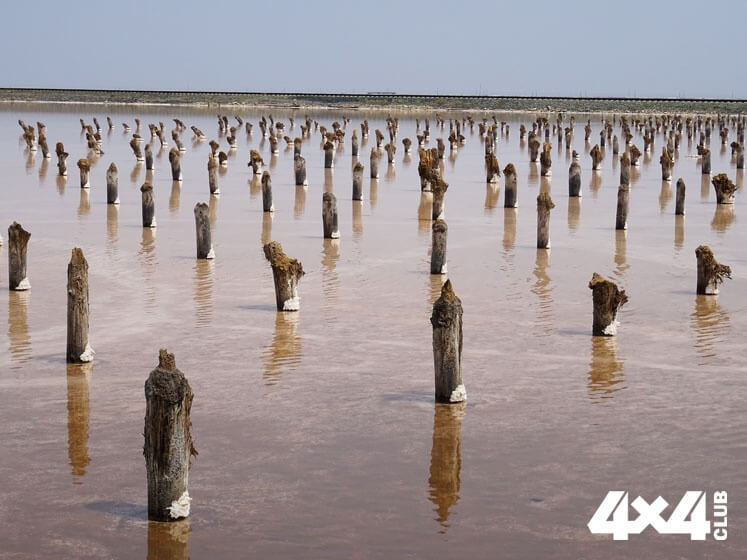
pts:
pixel 149 205
pixel 267 192
pixel 446 320
pixel 666 165
pixel 625 169
pixel 112 184
pixel 390 150
pixel 705 160
pixel 354 144
pixel 18 239
pixel 358 181
pixel 438 247
pixel 596 158
pixel 61 157
pixel 148 158
pixel 286 273
pixel 85 168
pixel 544 205
pixel 202 227
pixel 297 142
pixel 78 349
pixel 374 163
pixel 510 196
pixel 710 272
pixel 546 160
pixel 534 147
pixel 175 159
pixel 623 198
pixel 493 170
pixel 608 298
pixel 574 179
pixel 256 162
pixel 299 168
pixel 329 216
pixel 329 155
pixel 439 187
pixel 724 189
pixel 679 208
pixel 168 446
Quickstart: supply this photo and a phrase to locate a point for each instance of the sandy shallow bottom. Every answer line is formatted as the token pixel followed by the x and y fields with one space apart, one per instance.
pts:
pixel 317 432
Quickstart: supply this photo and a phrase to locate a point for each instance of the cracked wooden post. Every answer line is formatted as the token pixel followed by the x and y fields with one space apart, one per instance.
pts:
pixel 85 167
pixel 705 160
pixel 724 189
pixel 608 298
pixel 446 320
pixel 438 186
pixel 175 159
pixel 544 205
pixel 148 158
pixel 286 273
pixel 546 160
pixel 168 445
pixel 623 198
pixel 78 349
pixel 202 227
pixel 212 167
pixel 267 192
pixel 666 165
pixel 574 179
pixel 710 272
pixel 625 169
pixel 510 196
pixel 61 157
pixel 679 209
pixel 299 168
pixel 492 167
pixel 358 181
pixel 18 239
pixel 329 155
pixel 596 158
pixel 149 205
pixel 329 216
pixel 438 247
pixel 374 164
pixel 112 184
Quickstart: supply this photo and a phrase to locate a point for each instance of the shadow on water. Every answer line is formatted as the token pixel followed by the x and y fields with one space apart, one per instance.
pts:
pixel 606 375
pixel 446 460
pixel 78 415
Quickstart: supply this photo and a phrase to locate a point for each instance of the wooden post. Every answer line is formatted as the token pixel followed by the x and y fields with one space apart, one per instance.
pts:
pixel 149 205
pixel 608 298
pixel 135 145
pixel 299 166
pixel 666 165
pixel 85 168
pixel 510 196
pixel 625 169
pixel 439 187
pixel 61 157
pixel 705 160
pixel 724 189
pixel 358 181
pixel 596 158
pixel 148 158
pixel 297 146
pixel 18 239
pixel 446 459
pixel 112 184
pixel 286 273
pixel 267 192
pixel 438 247
pixel 390 150
pixel 534 147
pixel 212 167
pixel 329 155
pixel 574 179
pixel 168 446
pixel 78 349
pixel 329 216
pixel 546 160
pixel 446 320
pixel 493 170
pixel 202 226
pixel 623 197
pixel 374 163
pixel 679 209
pixel 175 159
pixel 710 272
pixel 544 205
pixel 354 144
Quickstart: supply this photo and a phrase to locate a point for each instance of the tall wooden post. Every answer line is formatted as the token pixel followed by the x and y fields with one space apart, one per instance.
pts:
pixel 149 205
pixel 358 181
pixel 85 168
pixel 438 247
pixel 168 440
pixel 78 349
pixel 329 216
pixel 18 239
pixel 267 192
pixel 679 208
pixel 623 197
pixel 544 205
pixel 202 227
pixel 446 320
pixel 175 159
pixel 329 155
pixel 299 168
pixel 112 184
pixel 574 179
pixel 510 196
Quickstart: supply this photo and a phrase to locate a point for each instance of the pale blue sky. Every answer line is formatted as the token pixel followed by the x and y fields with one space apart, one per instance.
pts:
pixel 669 48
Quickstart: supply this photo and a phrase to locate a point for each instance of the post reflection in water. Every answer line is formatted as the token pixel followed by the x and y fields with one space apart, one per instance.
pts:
pixel 534 175
pixel 135 173
pixel 425 210
pixel 176 191
pixel 84 206
pixel 373 192
pixel 78 414
pixel 267 218
pixel 739 179
pixel 543 289
pixel 574 213
pixel 679 232
pixel 509 228
pixel 329 185
pixel 705 186
pixel 299 203
pixel 545 185
pixel 255 186
pixel 710 323
pixel 595 182
pixel 203 294
pixel 168 541
pixel 665 195
pixel 357 219
pixel 330 278
pixel 19 340
pixel 284 352
pixel 606 375
pixel 43 168
pixel 723 217
pixel 147 258
pixel 61 181
pixel 492 191
pixel 635 174
pixel 390 173
pixel 446 460
pixel 621 246
pixel 213 211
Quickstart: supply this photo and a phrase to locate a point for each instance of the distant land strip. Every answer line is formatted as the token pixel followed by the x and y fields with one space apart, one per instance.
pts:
pixel 376 100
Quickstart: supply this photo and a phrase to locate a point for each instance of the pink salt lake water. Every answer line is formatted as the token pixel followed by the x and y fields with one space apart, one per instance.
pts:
pixel 317 432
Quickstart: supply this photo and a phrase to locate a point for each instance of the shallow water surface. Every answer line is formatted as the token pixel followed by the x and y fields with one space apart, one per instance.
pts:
pixel 317 432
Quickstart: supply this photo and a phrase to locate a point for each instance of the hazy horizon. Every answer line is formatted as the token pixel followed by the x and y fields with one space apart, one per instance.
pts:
pixel 662 49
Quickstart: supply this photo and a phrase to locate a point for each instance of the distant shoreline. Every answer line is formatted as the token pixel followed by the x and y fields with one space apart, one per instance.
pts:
pixel 374 101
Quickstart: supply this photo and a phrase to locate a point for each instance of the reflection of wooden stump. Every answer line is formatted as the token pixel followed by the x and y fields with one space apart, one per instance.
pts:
pixel 574 212
pixel 710 272
pixel 605 370
pixel 446 320
pixel 446 459
pixel 78 413
pixel 608 298
pixel 710 323
pixel 168 540
pixel 19 341
pixel 284 352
